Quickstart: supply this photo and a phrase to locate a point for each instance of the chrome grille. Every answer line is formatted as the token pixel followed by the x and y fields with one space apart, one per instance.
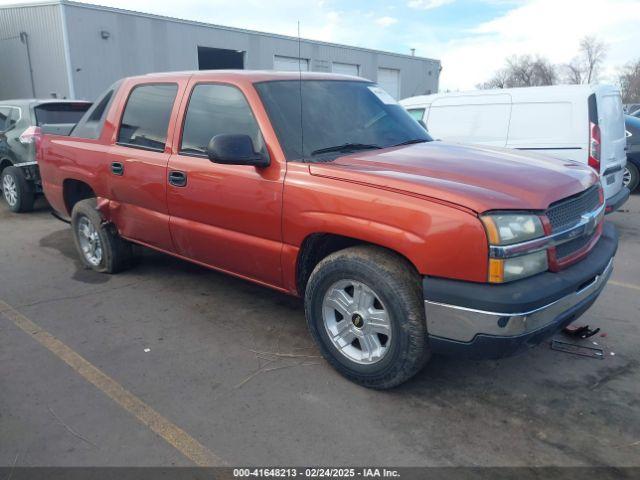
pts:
pixel 573 246
pixel 566 213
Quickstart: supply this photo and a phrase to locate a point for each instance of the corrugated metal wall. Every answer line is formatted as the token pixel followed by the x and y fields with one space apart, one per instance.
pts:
pixel 43 25
pixel 138 44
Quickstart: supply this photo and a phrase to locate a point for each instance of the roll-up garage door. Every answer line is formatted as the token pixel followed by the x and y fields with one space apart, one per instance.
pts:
pixel 389 80
pixel 290 64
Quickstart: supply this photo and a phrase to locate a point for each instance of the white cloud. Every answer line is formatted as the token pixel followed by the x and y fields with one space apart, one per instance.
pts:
pixel 550 28
pixel 428 4
pixel 386 21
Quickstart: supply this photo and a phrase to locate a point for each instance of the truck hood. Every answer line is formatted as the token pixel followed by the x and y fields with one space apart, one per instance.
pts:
pixel 478 178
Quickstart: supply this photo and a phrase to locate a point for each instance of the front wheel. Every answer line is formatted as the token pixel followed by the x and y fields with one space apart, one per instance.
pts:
pixel 365 311
pixel 16 190
pixel 631 177
pixel 99 245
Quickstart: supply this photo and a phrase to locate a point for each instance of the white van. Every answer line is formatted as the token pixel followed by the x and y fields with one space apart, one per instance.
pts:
pixel 577 122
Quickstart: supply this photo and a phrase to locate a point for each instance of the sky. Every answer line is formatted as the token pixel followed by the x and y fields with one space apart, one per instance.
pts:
pixel 471 38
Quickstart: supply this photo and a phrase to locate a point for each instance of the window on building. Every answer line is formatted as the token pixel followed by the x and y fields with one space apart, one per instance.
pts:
pixel 290 64
pixel 217 110
pixel 146 116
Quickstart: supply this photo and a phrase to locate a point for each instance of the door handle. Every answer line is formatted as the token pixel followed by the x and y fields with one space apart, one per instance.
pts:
pixel 117 168
pixel 178 179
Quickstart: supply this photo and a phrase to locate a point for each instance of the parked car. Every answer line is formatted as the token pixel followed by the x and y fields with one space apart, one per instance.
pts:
pixel 631 108
pixel 322 186
pixel 21 124
pixel 632 170
pixel 575 122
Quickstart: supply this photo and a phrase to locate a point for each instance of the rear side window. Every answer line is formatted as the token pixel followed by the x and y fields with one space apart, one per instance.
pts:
pixel 417 113
pixel 52 113
pixel 5 115
pixel 215 110
pixel 90 125
pixel 146 116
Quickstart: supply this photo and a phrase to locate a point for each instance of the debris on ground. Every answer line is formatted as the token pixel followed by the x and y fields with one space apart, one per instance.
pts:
pixel 580 331
pixel 576 349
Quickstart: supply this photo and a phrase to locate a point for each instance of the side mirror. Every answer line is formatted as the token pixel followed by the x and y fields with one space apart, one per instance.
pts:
pixel 235 150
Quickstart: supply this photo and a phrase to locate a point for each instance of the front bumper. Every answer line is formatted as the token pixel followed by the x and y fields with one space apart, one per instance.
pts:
pixel 493 321
pixel 615 202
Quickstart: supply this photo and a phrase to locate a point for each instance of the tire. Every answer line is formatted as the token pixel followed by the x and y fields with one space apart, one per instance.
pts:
pixel 99 245
pixel 631 176
pixel 16 190
pixel 396 290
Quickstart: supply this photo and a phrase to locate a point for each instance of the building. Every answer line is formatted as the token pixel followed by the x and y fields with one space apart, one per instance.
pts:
pixel 66 49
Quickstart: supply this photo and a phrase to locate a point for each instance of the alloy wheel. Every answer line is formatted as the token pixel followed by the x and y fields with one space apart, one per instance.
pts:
pixel 356 321
pixel 10 190
pixel 89 241
pixel 626 177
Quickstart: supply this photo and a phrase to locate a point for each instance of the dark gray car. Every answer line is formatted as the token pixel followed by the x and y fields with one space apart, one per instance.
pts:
pixel 21 125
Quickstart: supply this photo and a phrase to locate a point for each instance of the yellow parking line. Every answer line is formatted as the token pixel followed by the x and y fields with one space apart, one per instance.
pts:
pixel 171 433
pixel 625 285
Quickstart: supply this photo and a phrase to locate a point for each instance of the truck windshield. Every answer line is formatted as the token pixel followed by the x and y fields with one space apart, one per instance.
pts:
pixel 319 120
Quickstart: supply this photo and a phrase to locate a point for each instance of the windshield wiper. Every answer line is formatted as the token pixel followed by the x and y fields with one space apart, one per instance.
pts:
pixel 346 147
pixel 410 142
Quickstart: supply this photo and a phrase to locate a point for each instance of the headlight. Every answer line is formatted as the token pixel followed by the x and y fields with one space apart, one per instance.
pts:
pixel 501 271
pixel 506 229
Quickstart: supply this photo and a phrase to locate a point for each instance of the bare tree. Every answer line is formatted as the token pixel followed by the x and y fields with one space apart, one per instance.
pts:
pixel 500 79
pixel 585 68
pixel 629 80
pixel 594 53
pixel 523 71
pixel 573 72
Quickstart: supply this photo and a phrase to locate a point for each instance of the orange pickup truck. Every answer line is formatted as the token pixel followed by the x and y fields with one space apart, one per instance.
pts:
pixel 322 186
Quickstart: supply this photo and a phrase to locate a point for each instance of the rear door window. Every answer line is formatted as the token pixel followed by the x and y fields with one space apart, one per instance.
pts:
pixel 146 116
pixel 52 113
pixel 5 115
pixel 215 110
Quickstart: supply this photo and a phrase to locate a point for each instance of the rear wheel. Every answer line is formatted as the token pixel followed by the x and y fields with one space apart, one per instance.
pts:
pixel 16 190
pixel 631 176
pixel 99 245
pixel 365 311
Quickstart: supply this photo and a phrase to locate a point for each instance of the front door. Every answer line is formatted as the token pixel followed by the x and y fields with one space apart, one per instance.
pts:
pixel 225 216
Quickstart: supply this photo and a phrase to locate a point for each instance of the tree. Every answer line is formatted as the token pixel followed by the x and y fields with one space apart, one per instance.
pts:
pixel 629 81
pixel 594 52
pixel 523 71
pixel 585 68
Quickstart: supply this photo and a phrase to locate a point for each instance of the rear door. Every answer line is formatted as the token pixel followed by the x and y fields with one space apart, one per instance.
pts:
pixel 613 143
pixel 138 164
